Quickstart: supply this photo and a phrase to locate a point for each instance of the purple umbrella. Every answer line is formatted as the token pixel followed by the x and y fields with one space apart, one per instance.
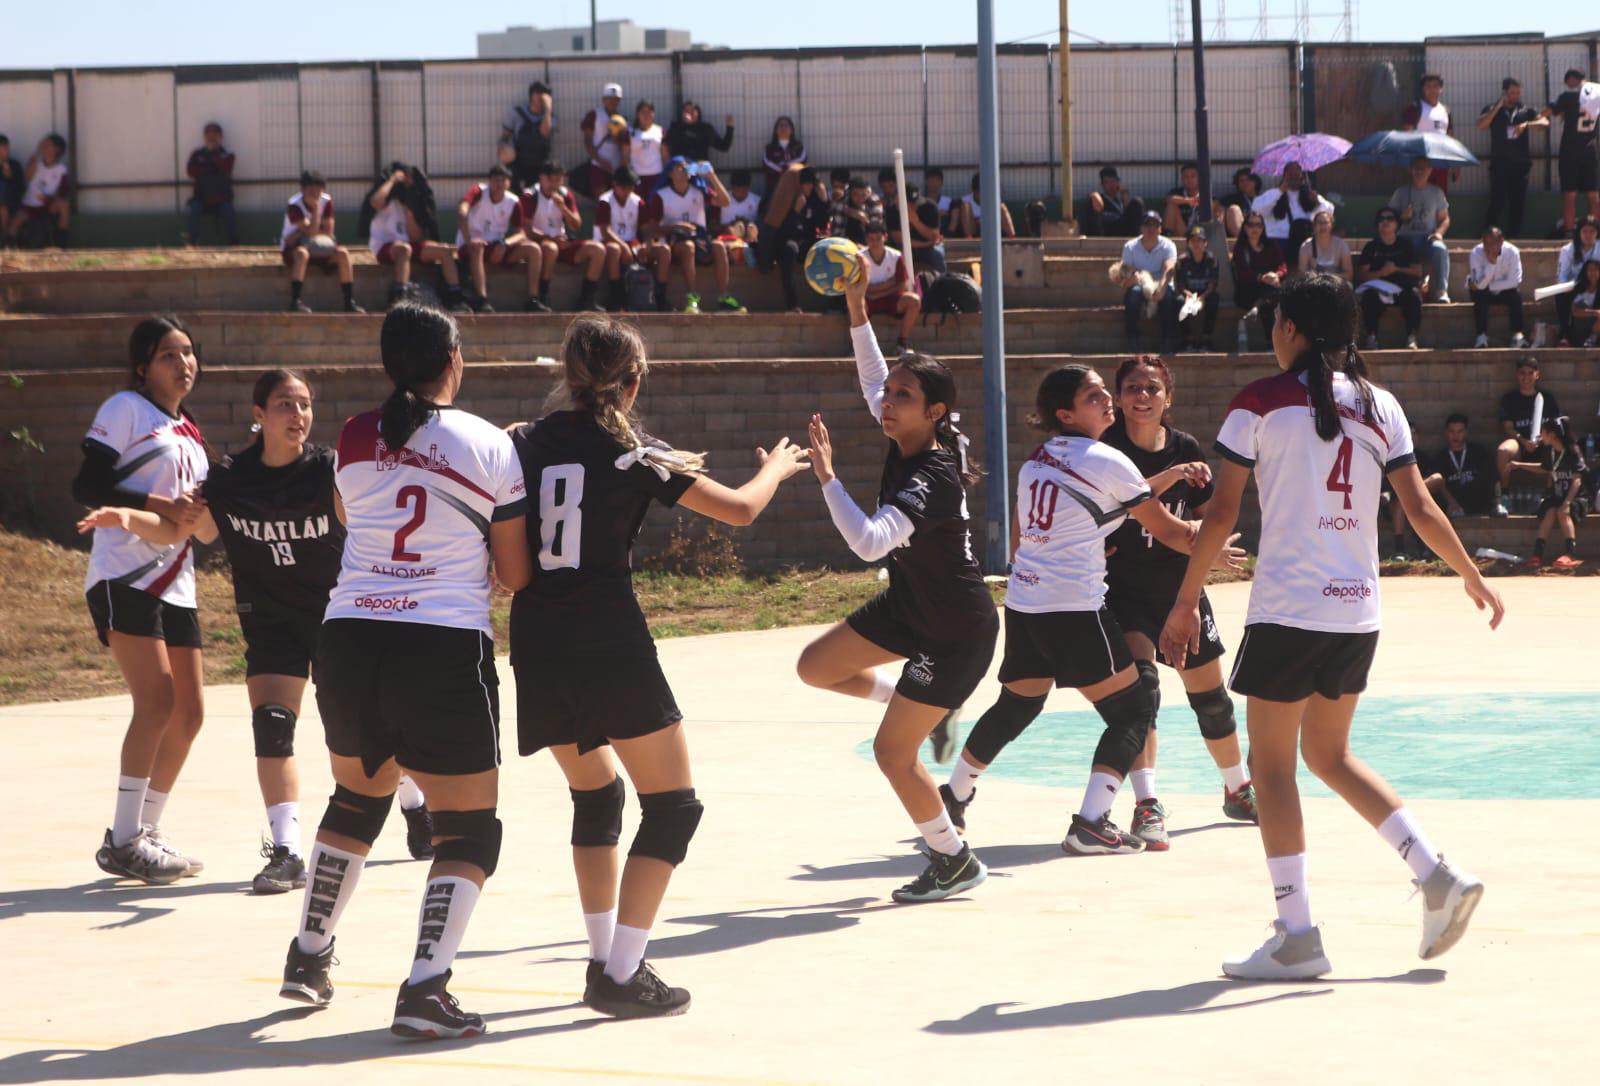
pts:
pixel 1313 150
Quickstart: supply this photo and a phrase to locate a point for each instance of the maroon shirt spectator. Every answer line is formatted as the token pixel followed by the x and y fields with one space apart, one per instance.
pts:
pixel 211 167
pixel 784 149
pixel 1258 271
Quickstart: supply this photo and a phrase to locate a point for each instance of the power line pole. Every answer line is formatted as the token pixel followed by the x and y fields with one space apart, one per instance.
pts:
pixel 997 493
pixel 1066 121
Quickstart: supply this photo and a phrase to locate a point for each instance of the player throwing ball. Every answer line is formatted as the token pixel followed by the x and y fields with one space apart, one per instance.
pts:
pixel 1321 439
pixel 937 614
pixel 587 675
pixel 430 494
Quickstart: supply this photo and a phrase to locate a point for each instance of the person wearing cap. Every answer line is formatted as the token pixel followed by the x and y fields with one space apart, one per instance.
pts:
pixel 1145 274
pixel 211 167
pixel 606 140
pixel 890 289
pixel 1111 211
pixel 1197 275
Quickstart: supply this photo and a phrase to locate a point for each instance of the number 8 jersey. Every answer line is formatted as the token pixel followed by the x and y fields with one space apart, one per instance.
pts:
pixel 418 519
pixel 1318 564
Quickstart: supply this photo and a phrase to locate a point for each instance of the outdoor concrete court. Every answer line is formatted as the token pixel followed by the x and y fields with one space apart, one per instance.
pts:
pixel 802 971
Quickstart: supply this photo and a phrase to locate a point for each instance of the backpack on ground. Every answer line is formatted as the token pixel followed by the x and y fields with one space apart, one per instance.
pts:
pixel 639 288
pixel 949 293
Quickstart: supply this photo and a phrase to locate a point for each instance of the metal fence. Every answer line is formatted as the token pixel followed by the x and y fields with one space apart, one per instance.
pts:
pixel 131 130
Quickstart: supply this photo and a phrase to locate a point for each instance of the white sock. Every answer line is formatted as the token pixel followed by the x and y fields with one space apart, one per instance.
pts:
pixel 882 687
pixel 940 833
pixel 627 951
pixel 446 907
pixel 1403 835
pixel 130 803
pixel 154 806
pixel 1234 777
pixel 1099 796
pixel 964 778
pixel 331 879
pixel 1289 887
pixel 1144 783
pixel 409 795
pixel 284 818
pixel 601 927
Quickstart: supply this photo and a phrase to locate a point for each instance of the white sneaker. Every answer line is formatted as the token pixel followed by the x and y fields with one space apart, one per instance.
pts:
pixel 1448 899
pixel 1518 341
pixel 1481 341
pixel 1283 957
pixel 139 859
pixel 157 837
pixel 1443 298
pixel 1411 343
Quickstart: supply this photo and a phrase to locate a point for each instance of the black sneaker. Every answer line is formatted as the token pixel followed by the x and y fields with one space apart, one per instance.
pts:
pixel 426 1012
pixel 305 976
pixel 297 306
pixel 956 808
pixel 942 740
pixel 645 996
pixel 1100 838
pixel 284 871
pixel 534 305
pixel 419 832
pixel 591 974
pixel 945 876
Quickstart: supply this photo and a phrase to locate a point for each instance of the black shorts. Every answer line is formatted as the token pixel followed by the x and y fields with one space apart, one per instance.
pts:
pixel 137 613
pixel 939 674
pixel 280 644
pixel 1285 663
pixel 1579 172
pixel 1075 648
pixel 590 700
pixel 1553 501
pixel 1146 613
pixel 427 696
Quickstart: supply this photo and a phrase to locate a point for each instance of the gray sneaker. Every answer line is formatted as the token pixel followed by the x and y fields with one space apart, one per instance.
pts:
pixel 1448 899
pixel 1282 957
pixel 284 871
pixel 157 837
pixel 140 859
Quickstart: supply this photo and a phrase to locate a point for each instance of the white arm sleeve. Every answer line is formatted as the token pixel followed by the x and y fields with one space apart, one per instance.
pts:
pixel 869 537
pixel 871 370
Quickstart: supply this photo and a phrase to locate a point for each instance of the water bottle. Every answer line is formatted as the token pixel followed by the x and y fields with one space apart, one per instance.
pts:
pixel 1244 334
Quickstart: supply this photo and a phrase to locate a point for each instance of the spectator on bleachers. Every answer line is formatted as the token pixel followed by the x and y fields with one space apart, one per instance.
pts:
pixel 807 219
pixel 490 233
pixel 1145 273
pixel 1111 211
pixel 12 185
pixel 307 236
pixel 1519 441
pixel 1462 476
pixel 1288 208
pixel 46 207
pixel 741 217
pixel 927 239
pixel 691 138
pixel 1561 462
pixel 396 239
pixel 1259 269
pixel 617 217
pixel 1494 277
pixel 1387 275
pixel 890 288
pixel 1577 165
pixel 1246 187
pixel 1508 121
pixel 1184 201
pixel 1197 274
pixel 1434 116
pixel 525 136
pixel 854 210
pixel 933 191
pixel 782 150
pixel 1584 306
pixel 549 213
pixel 605 136
pixel 648 150
pixel 678 211
pixel 211 167
pixel 971 211
pixel 1424 212
pixel 1325 250
pixel 1584 247
pixel 889 194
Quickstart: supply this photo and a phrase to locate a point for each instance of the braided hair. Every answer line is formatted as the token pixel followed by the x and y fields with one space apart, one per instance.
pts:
pixel 1323 308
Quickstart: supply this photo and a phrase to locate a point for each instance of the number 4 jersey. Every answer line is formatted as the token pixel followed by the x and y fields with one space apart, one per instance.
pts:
pixel 1071 494
pixel 418 518
pixel 1318 564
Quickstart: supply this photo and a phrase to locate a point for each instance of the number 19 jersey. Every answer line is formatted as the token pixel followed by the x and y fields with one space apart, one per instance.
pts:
pixel 418 519
pixel 1318 564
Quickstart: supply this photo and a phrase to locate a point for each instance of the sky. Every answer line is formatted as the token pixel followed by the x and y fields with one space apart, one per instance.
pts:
pixel 114 32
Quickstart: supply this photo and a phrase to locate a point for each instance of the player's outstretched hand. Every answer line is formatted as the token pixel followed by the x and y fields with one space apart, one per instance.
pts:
pixel 821 450
pixel 1181 634
pixel 1231 556
pixel 105 517
pixel 785 458
pixel 1483 594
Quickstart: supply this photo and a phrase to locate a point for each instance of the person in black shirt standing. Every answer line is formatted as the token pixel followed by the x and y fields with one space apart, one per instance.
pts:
pixel 1462 477
pixel 936 615
pixel 692 138
pixel 1389 259
pixel 1508 121
pixel 1576 161
pixel 1519 429
pixel 587 675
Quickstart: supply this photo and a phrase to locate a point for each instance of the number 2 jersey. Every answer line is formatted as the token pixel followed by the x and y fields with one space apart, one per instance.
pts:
pixel 417 548
pixel 1072 493
pixel 157 454
pixel 1318 564
pixel 1141 563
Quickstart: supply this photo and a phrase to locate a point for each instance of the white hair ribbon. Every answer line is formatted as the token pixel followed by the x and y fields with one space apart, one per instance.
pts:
pixel 659 460
pixel 962 440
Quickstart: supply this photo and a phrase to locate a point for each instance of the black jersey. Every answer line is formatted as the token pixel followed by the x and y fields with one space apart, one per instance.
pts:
pixel 588 513
pixel 1577 127
pixel 278 525
pixel 1141 561
pixel 1563 468
pixel 935 584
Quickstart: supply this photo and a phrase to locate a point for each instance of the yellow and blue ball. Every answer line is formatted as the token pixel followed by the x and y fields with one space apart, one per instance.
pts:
pixel 830 264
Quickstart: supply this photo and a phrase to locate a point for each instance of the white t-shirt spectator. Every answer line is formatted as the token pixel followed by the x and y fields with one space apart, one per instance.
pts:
pixel 621 215
pixel 1569 263
pixel 1327 258
pixel 295 215
pixel 1433 118
pixel 1264 204
pixel 490 221
pixel 542 214
pixel 669 208
pixel 891 270
pixel 603 148
pixel 45 184
pixel 1502 274
pixel 1136 257
pixel 737 209
pixel 1425 203
pixel 645 158
pixel 389 226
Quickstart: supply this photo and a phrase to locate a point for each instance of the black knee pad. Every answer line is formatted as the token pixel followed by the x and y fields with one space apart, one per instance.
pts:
pixel 274 730
pixel 597 815
pixel 354 815
pixel 1152 680
pixel 474 838
pixel 1214 710
pixel 1128 714
pixel 1006 719
pixel 667 822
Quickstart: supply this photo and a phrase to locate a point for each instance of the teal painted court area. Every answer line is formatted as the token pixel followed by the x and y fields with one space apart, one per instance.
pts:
pixel 1482 745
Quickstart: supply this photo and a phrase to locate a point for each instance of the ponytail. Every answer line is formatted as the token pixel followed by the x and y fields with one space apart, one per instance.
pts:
pixel 404 413
pixel 1322 307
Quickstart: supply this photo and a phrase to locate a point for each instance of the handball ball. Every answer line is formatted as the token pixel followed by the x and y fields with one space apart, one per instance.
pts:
pixel 616 124
pixel 830 264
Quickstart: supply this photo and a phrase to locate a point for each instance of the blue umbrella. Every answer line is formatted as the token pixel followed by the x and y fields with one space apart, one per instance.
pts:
pixel 1401 148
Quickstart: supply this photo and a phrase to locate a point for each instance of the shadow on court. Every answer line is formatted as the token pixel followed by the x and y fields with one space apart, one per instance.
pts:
pixel 1228 825
pixel 1185 999
pixel 238 1046
pixel 995 858
pixel 128 902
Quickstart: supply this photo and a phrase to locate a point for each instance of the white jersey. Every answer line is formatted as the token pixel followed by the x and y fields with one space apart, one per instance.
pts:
pixel 645 156
pixel 621 215
pixel 158 454
pixel 690 206
pixel 888 271
pixel 1433 118
pixel 1071 494
pixel 1318 568
pixel 418 519
pixel 737 209
pixel 542 214
pixel 45 184
pixel 490 221
pixel 296 216
pixel 389 226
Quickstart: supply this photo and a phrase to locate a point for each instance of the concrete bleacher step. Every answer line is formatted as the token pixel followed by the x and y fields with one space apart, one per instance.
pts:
pixel 1515 535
